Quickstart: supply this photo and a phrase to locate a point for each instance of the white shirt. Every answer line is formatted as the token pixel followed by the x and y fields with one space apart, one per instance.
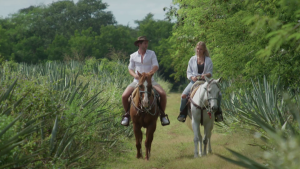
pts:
pixel 192 69
pixel 149 61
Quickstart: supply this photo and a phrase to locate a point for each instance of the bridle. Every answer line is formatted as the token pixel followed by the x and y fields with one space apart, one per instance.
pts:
pixel 212 98
pixel 208 108
pixel 143 109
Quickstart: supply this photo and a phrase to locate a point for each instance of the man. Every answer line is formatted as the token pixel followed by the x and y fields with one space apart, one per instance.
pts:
pixel 143 60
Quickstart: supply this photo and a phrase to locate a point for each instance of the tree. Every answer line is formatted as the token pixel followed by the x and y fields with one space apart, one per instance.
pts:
pixel 30 50
pixel 81 44
pixel 235 33
pixel 118 38
pixel 58 48
pixel 5 45
pixel 53 25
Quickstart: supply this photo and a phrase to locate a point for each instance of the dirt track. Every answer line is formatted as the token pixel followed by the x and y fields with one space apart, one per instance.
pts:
pixel 173 146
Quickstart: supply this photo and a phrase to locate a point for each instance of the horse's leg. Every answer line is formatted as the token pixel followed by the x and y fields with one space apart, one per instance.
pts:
pixel 197 135
pixel 149 138
pixel 205 138
pixel 138 139
pixel 209 136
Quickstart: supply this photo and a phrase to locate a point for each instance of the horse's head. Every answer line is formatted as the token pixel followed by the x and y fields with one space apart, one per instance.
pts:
pixel 213 90
pixel 145 88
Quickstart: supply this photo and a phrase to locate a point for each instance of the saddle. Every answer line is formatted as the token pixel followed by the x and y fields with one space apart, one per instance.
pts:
pixel 194 88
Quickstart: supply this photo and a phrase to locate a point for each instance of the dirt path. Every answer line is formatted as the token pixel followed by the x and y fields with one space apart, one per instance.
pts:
pixel 173 146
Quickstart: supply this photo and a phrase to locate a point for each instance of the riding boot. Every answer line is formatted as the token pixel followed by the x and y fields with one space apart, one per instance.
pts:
pixel 164 119
pixel 183 110
pixel 126 119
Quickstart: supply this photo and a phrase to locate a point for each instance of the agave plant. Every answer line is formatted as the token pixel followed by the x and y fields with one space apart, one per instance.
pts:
pixel 11 139
pixel 82 103
pixel 274 115
pixel 264 100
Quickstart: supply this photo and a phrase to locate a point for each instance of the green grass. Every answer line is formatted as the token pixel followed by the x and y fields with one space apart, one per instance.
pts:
pixel 173 146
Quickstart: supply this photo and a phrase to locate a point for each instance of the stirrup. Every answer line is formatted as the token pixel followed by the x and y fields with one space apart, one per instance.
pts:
pixel 184 118
pixel 128 116
pixel 166 118
pixel 219 118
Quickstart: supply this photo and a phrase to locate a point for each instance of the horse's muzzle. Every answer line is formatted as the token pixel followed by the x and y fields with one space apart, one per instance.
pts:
pixel 214 108
pixel 145 103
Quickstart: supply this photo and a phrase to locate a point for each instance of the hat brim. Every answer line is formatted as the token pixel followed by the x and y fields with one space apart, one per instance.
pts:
pixel 136 42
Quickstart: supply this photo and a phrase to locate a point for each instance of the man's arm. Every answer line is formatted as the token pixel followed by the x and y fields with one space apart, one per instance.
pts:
pixel 154 64
pixel 153 70
pixel 132 73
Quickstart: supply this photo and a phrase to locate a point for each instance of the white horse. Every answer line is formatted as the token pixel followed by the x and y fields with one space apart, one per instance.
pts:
pixel 203 106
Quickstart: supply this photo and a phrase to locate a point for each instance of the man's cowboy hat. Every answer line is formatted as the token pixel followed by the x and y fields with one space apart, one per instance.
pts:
pixel 140 39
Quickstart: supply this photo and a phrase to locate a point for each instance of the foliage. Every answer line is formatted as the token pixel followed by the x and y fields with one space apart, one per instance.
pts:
pixel 12 137
pixel 246 39
pixel 58 48
pixel 270 114
pixel 37 29
pixel 118 38
pixel 81 44
pixel 65 30
pixel 61 111
pixel 5 48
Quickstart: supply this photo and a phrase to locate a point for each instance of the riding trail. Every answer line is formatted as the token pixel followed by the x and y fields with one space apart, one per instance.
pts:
pixel 173 146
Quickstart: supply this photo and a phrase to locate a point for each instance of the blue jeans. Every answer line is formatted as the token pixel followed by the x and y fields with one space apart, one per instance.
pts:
pixel 186 91
pixel 188 88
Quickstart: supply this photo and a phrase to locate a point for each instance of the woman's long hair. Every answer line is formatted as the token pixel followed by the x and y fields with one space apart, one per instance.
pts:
pixel 206 53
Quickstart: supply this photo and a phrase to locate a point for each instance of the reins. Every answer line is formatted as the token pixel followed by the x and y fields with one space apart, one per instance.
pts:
pixel 143 109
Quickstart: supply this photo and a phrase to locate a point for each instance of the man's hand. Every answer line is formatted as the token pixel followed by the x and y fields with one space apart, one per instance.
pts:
pixel 203 76
pixel 136 77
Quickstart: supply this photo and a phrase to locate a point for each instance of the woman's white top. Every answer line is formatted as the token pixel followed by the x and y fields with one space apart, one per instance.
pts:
pixel 192 69
pixel 149 61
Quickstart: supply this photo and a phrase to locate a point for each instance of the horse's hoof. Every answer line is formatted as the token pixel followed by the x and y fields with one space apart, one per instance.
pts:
pixel 195 155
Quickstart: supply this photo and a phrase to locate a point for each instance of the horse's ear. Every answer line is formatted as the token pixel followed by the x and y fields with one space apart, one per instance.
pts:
pixel 150 74
pixel 206 78
pixel 219 80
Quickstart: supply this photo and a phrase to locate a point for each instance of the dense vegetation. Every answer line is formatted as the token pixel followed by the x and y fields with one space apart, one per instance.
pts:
pixel 54 109
pixel 246 39
pixel 58 114
pixel 249 40
pixel 66 30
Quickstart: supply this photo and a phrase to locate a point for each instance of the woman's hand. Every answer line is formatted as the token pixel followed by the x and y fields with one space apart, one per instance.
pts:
pixel 194 78
pixel 207 75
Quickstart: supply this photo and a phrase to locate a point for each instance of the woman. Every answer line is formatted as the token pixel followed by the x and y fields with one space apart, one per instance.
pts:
pixel 199 66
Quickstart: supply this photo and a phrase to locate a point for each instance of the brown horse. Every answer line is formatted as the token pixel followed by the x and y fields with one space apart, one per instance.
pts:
pixel 144 112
